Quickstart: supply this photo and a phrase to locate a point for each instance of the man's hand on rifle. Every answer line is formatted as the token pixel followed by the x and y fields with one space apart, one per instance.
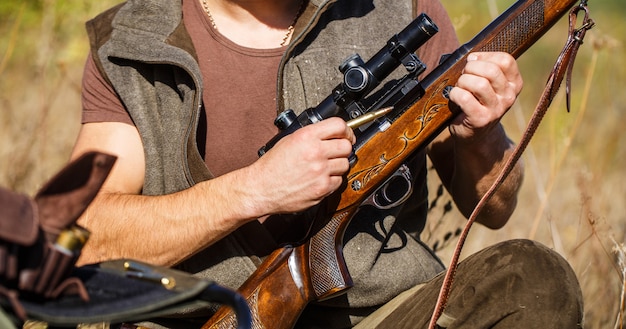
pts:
pixel 486 90
pixel 304 167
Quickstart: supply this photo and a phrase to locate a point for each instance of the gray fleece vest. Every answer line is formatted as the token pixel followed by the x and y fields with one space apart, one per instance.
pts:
pixel 149 60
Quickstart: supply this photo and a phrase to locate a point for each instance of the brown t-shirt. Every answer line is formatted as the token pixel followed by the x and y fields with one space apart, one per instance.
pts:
pixel 239 94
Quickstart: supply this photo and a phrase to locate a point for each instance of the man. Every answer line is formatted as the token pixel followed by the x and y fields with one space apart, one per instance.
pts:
pixel 186 103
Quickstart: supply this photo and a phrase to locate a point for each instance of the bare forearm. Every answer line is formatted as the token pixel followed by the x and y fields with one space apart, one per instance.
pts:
pixel 162 230
pixel 480 166
pixel 473 169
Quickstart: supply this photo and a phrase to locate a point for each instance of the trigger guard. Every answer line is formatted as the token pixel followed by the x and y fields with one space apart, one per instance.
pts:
pixel 394 191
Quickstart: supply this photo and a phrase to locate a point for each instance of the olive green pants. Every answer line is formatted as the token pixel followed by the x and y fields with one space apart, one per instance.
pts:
pixel 514 284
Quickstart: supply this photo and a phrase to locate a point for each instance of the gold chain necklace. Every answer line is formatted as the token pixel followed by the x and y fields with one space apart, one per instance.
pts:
pixel 289 29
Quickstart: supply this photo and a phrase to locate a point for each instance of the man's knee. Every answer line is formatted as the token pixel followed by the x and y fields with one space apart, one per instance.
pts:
pixel 545 286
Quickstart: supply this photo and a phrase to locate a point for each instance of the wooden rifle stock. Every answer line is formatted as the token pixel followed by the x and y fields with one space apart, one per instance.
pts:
pixel 314 269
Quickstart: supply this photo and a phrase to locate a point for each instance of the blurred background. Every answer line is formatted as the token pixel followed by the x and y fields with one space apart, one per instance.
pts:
pixel 574 195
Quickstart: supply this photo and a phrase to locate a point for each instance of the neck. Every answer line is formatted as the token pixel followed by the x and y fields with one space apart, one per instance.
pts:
pixel 254 23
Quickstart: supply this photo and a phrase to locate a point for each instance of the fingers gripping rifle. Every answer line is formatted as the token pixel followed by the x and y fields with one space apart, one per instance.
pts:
pixel 314 269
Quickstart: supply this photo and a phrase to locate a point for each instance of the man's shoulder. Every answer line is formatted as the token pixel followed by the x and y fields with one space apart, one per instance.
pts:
pixel 99 28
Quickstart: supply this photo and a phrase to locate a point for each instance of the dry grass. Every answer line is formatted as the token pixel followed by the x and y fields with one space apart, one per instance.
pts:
pixel 41 55
pixel 573 199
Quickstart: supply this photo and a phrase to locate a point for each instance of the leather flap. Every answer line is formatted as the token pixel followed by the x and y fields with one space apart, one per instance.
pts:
pixel 66 196
pixel 18 218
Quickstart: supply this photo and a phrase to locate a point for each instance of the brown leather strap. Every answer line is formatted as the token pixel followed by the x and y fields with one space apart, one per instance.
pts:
pixel 562 67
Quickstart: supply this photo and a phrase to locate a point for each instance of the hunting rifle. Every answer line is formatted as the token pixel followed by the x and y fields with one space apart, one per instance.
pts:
pixel 314 269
